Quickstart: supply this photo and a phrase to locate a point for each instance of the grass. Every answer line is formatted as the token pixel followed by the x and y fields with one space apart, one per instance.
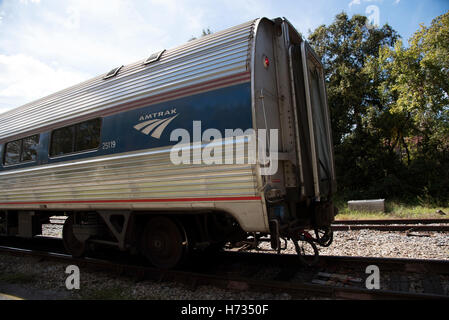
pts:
pixel 393 210
pixel 18 278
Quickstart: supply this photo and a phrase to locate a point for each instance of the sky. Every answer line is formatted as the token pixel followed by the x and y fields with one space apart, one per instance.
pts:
pixel 49 45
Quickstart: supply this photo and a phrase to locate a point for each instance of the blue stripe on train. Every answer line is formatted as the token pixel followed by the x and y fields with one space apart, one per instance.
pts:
pixel 150 127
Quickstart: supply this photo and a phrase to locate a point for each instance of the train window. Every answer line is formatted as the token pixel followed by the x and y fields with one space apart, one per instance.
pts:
pixel 154 57
pixel 112 73
pixel 22 150
pixel 12 152
pixel 88 135
pixel 29 148
pixel 76 138
pixel 62 141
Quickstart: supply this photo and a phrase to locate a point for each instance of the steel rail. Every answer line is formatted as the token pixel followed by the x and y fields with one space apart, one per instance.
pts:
pixel 392 264
pixel 439 225
pixel 438 228
pixel 390 221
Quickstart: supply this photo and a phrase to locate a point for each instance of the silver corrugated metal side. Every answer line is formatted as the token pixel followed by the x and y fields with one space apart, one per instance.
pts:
pixel 133 180
pixel 214 56
pixel 136 175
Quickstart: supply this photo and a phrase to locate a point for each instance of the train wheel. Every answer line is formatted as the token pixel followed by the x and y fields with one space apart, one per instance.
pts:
pixel 72 245
pixel 164 242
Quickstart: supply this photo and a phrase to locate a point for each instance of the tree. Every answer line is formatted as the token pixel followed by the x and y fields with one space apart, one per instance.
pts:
pixel 389 108
pixel 345 46
pixel 418 78
pixel 204 33
pixel 363 161
pixel 415 87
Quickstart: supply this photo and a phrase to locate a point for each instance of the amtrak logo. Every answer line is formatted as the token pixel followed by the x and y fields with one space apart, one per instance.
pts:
pixel 155 127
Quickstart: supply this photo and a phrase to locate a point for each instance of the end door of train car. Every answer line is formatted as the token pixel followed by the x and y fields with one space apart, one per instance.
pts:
pixel 289 94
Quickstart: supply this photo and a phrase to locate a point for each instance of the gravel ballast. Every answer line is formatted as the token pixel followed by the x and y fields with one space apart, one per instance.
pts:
pixel 33 279
pixel 372 243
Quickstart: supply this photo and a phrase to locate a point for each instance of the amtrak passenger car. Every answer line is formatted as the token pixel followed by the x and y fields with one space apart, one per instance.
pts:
pixel 99 152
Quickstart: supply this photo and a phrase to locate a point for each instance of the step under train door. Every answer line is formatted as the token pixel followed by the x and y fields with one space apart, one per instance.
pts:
pixel 313 121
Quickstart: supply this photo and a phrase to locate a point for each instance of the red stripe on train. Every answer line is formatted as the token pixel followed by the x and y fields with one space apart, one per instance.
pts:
pixel 139 200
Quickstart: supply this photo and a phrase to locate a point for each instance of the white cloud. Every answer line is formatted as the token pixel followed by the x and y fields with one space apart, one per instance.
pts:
pixel 354 2
pixel 29 1
pixel 358 2
pixel 57 44
pixel 24 79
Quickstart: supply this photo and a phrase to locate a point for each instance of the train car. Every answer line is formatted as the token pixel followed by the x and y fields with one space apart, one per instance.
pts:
pixel 162 157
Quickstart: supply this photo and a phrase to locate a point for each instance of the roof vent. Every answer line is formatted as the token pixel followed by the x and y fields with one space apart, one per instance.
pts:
pixel 154 57
pixel 112 73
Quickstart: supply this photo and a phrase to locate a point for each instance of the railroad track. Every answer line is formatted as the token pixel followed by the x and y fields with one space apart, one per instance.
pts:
pixel 440 225
pixel 392 221
pixel 334 277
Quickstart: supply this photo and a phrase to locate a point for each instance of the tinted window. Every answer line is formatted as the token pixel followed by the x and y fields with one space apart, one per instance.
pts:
pixel 23 150
pixel 62 141
pixel 76 138
pixel 29 148
pixel 88 135
pixel 12 152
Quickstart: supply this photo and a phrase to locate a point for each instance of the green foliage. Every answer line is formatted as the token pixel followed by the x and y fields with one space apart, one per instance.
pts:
pixel 345 46
pixel 389 108
pixel 204 33
pixel 394 210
